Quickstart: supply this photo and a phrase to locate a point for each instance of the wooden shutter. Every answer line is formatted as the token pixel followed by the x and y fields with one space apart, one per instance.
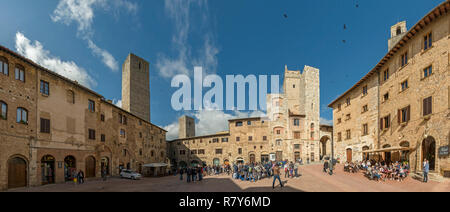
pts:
pixel 425 106
pixel 399 116
pixel 408 113
pixel 381 124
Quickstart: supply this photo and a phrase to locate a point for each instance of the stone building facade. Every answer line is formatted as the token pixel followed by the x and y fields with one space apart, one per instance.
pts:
pixel 291 130
pixel 408 99
pixel 52 126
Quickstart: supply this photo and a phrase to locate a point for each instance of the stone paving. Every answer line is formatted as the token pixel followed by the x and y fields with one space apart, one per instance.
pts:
pixel 312 180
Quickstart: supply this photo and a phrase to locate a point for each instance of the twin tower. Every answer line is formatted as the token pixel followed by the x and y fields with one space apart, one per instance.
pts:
pixel 136 87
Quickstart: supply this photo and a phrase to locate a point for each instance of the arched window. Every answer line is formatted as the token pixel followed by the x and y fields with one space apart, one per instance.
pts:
pixel 20 73
pixel 399 30
pixel 152 153
pixel 4 67
pixel 3 110
pixel 312 126
pixel 22 115
pixel 162 155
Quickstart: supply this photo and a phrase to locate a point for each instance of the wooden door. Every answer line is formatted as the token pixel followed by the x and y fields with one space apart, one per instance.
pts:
pixel 90 167
pixel 17 173
pixel 349 155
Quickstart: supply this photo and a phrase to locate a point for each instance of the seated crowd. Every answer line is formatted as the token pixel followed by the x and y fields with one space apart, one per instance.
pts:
pixel 379 171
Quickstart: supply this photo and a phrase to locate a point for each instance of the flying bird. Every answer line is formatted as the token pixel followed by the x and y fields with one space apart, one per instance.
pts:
pixel 285 15
pixel 343 41
pixel 345 26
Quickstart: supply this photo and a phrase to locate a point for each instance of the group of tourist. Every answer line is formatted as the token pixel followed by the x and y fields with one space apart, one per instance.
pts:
pixel 379 171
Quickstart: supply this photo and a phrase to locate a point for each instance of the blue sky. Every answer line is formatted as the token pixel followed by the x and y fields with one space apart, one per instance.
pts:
pixel 93 37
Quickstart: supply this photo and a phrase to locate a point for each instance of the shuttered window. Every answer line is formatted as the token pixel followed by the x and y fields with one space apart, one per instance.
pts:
pixel 91 134
pixel 428 106
pixel 45 125
pixel 404 114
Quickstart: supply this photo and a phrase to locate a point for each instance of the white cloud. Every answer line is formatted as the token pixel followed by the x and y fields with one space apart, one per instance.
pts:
pixel 210 122
pixel 326 121
pixel 36 52
pixel 179 12
pixel 82 13
pixel 107 58
pixel 118 103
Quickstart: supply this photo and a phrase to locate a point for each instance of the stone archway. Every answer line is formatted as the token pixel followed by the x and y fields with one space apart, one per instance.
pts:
pixel 323 146
pixel 429 151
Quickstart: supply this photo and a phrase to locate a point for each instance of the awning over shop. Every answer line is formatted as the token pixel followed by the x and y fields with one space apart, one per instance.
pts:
pixel 156 165
pixel 389 149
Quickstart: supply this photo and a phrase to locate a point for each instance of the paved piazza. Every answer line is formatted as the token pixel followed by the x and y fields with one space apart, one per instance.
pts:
pixel 312 180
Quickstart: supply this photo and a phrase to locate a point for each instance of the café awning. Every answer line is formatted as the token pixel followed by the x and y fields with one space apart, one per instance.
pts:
pixel 156 165
pixel 389 149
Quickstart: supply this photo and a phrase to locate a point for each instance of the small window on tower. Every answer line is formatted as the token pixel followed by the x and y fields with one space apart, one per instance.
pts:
pixel 140 65
pixel 399 30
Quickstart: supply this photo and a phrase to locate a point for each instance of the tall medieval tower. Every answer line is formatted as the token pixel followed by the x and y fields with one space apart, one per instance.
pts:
pixel 186 127
pixel 136 87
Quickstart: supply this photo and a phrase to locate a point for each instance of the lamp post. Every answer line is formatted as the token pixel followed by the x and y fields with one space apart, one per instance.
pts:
pixel 332 153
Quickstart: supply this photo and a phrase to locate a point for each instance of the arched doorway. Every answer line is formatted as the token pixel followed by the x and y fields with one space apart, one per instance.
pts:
pixel 429 151
pixel 349 155
pixel 252 158
pixel 70 168
pixel 323 146
pixel 365 154
pixel 90 167
pixel 105 165
pixel 17 172
pixel 216 162
pixel 47 170
pixel 387 155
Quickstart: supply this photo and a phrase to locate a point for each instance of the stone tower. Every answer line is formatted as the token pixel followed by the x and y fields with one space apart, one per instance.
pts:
pixel 136 87
pixel 397 32
pixel 187 127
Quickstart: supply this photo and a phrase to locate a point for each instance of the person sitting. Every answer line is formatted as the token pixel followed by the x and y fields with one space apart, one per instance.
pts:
pixel 376 175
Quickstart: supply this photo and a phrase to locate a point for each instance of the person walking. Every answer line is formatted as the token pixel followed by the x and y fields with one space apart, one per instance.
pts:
pixel 296 166
pixel 426 169
pixel 200 173
pixel 104 174
pixel 325 166
pixel 188 174
pixel 276 175
pixel 80 177
pixel 181 173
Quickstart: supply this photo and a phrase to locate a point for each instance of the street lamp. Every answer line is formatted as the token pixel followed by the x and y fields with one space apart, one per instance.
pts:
pixel 332 153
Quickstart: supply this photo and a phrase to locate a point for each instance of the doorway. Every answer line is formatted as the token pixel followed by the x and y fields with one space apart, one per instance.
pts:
pixel 70 168
pixel 47 170
pixel 105 165
pixel 90 167
pixel 349 155
pixel 429 152
pixel 17 173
